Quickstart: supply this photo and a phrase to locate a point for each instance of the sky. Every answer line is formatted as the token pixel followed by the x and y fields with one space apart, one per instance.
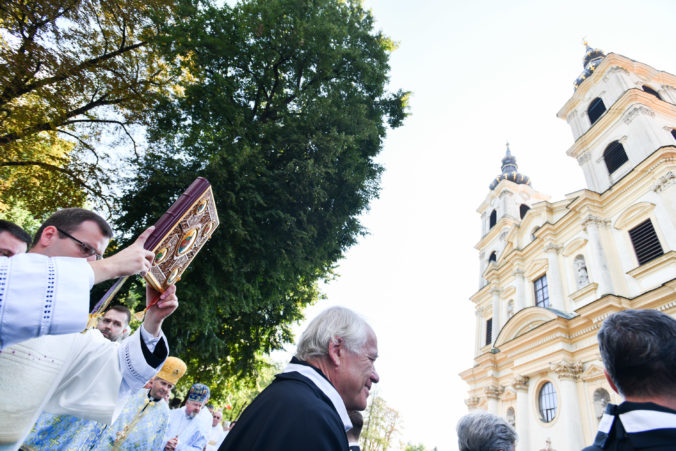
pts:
pixel 481 73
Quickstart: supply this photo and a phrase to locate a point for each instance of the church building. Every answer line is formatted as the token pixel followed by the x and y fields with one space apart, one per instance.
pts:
pixel 551 271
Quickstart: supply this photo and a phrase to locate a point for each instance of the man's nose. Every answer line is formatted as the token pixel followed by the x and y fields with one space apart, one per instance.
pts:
pixel 374 376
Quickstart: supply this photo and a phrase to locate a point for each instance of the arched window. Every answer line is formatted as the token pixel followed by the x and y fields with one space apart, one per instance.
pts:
pixel 492 257
pixel 650 90
pixel 493 219
pixel 489 331
pixel 511 417
pixel 673 132
pixel 614 156
pixel 523 209
pixel 601 400
pixel 596 109
pixel 547 402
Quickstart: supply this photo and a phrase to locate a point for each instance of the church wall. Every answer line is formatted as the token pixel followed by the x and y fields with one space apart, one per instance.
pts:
pixel 537 345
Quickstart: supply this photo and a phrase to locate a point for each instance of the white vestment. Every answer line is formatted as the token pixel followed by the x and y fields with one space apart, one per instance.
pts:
pixel 192 433
pixel 216 437
pixel 42 295
pixel 81 374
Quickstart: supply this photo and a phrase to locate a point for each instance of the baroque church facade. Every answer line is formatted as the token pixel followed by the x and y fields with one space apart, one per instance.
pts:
pixel 551 271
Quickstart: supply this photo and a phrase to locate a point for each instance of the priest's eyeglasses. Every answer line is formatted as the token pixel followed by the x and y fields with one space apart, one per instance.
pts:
pixel 84 247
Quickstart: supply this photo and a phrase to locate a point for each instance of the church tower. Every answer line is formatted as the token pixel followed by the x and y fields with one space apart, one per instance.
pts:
pixel 550 272
pixel 510 197
pixel 620 113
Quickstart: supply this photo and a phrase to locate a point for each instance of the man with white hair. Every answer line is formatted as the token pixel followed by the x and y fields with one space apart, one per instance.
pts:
pixel 483 431
pixel 306 406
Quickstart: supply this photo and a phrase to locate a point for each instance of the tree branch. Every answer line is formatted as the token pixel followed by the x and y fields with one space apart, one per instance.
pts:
pixel 10 94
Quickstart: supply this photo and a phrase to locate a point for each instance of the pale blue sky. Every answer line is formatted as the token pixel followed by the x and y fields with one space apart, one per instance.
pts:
pixel 481 73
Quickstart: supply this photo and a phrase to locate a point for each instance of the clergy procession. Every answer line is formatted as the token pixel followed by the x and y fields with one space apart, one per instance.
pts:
pixel 66 386
pixel 73 380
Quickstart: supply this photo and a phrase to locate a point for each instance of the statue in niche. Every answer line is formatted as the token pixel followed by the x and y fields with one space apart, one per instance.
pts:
pixel 511 417
pixel 601 400
pixel 548 445
pixel 581 275
pixel 510 309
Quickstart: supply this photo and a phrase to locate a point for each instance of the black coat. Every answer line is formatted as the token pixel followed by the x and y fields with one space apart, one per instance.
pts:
pixel 642 432
pixel 291 414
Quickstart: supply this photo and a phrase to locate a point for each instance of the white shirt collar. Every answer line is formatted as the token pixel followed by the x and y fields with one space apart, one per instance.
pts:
pixel 326 388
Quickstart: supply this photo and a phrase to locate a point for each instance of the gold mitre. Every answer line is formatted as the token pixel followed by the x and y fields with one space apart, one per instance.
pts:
pixel 172 370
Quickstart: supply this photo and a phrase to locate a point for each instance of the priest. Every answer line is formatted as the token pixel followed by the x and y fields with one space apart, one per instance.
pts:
pixel 190 425
pixel 143 422
pixel 68 431
pixel 46 292
pixel 79 374
pixel 217 433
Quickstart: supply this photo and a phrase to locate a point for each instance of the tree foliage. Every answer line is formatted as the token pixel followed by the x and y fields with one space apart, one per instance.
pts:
pixel 284 112
pixel 73 69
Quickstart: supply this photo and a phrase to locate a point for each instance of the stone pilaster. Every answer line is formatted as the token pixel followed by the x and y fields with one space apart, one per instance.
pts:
pixel 591 225
pixel 568 373
pixel 520 386
pixel 555 277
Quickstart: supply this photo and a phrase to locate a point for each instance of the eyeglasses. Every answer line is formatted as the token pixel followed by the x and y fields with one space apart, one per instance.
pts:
pixel 84 247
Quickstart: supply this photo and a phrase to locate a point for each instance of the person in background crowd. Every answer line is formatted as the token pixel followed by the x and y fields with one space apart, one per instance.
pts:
pixel 483 431
pixel 144 420
pixel 217 434
pixel 638 348
pixel 13 239
pixel 354 433
pixel 187 429
pixel 114 324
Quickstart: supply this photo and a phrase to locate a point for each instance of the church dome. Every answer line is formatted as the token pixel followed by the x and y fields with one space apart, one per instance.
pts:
pixel 592 58
pixel 510 171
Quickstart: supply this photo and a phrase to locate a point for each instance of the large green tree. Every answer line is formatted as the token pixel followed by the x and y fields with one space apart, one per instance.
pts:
pixel 75 70
pixel 284 112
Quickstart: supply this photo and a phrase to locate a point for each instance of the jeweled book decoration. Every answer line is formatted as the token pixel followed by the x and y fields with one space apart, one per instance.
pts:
pixel 179 235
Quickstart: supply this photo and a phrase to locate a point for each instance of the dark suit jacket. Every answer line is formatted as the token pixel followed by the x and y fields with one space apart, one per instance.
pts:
pixel 290 414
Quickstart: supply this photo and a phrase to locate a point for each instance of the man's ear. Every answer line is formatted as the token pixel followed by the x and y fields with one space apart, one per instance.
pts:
pixel 610 381
pixel 48 236
pixel 336 350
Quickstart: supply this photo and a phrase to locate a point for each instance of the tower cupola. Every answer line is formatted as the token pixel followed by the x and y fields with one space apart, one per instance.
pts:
pixel 510 171
pixel 592 58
